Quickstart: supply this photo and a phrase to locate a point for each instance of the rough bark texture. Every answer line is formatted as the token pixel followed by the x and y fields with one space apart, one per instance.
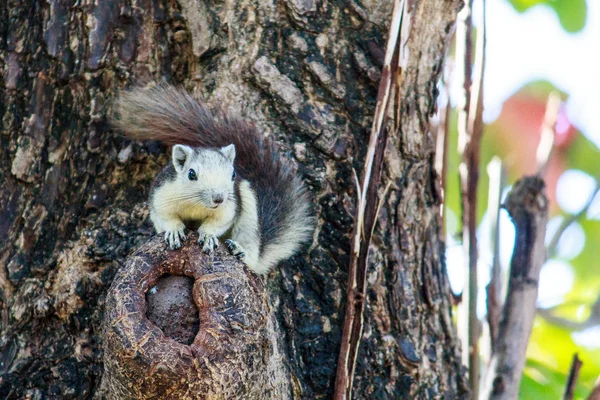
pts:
pixel 233 355
pixel 72 193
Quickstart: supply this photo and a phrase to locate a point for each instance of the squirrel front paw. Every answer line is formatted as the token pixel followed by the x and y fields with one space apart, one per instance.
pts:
pixel 174 238
pixel 207 242
pixel 235 249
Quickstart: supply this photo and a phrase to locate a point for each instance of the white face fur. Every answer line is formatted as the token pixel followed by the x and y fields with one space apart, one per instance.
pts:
pixel 205 175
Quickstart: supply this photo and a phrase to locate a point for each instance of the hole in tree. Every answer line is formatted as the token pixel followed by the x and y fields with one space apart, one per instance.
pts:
pixel 171 307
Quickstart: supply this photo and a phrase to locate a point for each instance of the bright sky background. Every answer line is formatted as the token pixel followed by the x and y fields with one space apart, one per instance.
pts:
pixel 533 45
pixel 522 48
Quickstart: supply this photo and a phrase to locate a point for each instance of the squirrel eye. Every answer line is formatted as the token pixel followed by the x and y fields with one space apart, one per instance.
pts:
pixel 233 176
pixel 192 175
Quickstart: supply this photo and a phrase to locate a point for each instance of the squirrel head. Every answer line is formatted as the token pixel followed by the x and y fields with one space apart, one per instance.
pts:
pixel 205 175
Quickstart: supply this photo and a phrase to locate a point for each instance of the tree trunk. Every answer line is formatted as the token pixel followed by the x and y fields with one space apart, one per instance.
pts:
pixel 72 192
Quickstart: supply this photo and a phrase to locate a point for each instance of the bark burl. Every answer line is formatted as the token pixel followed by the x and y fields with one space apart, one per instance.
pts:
pixel 73 193
pixel 231 356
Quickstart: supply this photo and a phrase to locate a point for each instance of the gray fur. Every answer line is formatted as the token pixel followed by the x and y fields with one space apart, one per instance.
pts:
pixel 167 174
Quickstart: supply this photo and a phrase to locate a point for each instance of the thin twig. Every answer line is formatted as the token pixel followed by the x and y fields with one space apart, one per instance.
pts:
pixel 567 221
pixel 441 154
pixel 380 204
pixel 592 320
pixel 358 197
pixel 475 120
pixel 464 71
pixel 527 205
pixel 572 379
pixel 357 183
pixel 470 130
pixel 548 131
pixel 494 288
pixel 366 210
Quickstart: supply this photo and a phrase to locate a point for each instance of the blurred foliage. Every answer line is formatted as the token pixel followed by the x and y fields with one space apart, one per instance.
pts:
pixel 549 356
pixel 586 266
pixel 514 137
pixel 572 14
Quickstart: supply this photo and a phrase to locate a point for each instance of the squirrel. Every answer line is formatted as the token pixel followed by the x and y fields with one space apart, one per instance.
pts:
pixel 225 178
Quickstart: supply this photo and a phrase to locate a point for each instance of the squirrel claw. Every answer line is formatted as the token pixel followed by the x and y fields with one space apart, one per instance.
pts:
pixel 174 238
pixel 235 249
pixel 208 242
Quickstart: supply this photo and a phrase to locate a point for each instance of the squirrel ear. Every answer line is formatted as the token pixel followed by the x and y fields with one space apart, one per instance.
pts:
pixel 181 154
pixel 229 152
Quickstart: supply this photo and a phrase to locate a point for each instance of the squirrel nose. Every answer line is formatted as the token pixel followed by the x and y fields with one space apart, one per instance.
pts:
pixel 217 198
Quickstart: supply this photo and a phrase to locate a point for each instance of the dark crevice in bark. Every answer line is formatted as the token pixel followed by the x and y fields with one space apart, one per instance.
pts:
pixel 171 307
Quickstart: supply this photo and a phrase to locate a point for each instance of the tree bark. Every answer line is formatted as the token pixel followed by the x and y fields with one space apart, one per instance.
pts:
pixel 72 192
pixel 232 353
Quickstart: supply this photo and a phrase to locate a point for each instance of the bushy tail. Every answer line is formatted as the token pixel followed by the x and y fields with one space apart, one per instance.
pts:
pixel 172 116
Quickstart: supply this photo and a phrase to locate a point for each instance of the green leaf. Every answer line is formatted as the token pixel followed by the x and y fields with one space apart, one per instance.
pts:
pixel 572 14
pixel 524 5
pixel 583 155
pixel 541 381
pixel 587 280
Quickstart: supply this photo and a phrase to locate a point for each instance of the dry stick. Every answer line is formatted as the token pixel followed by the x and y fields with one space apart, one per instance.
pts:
pixel 572 379
pixel 441 167
pixel 494 288
pixel 528 208
pixel 463 73
pixel 475 121
pixel 365 217
pixel 475 130
pixel 470 130
pixel 441 156
pixel 548 131
pixel 353 320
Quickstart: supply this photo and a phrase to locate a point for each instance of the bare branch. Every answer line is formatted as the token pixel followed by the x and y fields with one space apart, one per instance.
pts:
pixel 494 288
pixel 548 131
pixel 441 154
pixel 470 129
pixel 380 204
pixel 528 207
pixel 572 379
pixel 464 61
